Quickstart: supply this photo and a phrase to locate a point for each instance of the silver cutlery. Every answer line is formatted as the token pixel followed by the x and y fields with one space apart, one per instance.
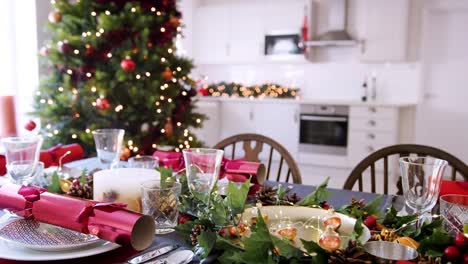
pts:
pixel 152 254
pixel 178 257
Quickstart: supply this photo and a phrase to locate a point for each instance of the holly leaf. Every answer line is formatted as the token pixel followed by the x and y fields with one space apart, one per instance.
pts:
pixel 281 192
pixel 372 208
pixel 285 248
pixel 357 230
pixel 206 240
pixel 318 196
pixel 83 176
pixel 236 197
pixel 435 244
pixel 55 186
pixel 166 174
pixel 258 245
pixel 319 255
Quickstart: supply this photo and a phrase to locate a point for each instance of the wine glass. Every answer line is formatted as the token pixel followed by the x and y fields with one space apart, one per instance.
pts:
pixel 421 179
pixel 22 156
pixel 202 166
pixel 108 145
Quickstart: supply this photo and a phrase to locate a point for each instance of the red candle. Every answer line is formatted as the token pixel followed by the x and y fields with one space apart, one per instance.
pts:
pixel 7 116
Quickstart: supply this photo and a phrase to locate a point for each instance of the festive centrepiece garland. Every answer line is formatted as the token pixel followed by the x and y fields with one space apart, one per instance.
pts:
pixel 220 229
pixel 256 91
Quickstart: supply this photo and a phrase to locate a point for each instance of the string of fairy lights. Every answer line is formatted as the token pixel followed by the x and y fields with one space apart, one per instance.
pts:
pixel 172 76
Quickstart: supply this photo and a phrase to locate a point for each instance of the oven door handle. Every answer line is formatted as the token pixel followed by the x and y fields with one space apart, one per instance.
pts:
pixel 323 118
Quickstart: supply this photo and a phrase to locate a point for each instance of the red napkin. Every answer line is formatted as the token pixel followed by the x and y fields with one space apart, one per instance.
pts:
pixel 453 187
pixel 109 221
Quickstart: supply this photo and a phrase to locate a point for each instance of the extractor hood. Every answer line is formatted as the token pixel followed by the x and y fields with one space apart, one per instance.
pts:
pixel 336 17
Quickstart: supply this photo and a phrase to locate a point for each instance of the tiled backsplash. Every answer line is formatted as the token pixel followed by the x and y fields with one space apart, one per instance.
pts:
pixel 395 82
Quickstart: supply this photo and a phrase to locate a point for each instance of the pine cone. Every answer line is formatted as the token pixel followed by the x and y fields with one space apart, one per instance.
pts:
pixel 429 260
pixel 196 231
pixel 351 254
pixel 267 195
pixel 80 190
pixel 360 203
pixel 290 199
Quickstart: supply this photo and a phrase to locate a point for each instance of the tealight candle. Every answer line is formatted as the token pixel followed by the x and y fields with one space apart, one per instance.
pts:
pixel 122 185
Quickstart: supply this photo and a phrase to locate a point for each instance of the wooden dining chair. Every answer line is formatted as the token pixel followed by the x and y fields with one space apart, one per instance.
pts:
pixel 254 153
pixel 357 174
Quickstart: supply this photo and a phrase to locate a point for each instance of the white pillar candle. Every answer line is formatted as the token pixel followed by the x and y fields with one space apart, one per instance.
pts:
pixel 122 185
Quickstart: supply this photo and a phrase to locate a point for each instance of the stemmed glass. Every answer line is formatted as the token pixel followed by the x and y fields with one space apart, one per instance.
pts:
pixel 421 178
pixel 22 156
pixel 202 166
pixel 108 145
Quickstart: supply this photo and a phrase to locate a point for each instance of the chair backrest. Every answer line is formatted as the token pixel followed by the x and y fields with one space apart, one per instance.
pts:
pixel 402 150
pixel 252 153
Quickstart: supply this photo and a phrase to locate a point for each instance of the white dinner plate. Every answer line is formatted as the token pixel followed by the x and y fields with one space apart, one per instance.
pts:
pixel 15 252
pixel 307 221
pixel 43 237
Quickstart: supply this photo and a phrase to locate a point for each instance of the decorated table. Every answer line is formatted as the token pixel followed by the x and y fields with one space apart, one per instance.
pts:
pixel 353 214
pixel 338 198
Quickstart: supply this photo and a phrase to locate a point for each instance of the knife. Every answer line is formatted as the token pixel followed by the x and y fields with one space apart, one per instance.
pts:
pixel 152 254
pixel 178 257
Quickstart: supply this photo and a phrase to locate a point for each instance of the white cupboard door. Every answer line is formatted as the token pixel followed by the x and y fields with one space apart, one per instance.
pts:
pixel 236 118
pixel 280 122
pixel 386 30
pixel 442 116
pixel 211 34
pixel 210 132
pixel 246 38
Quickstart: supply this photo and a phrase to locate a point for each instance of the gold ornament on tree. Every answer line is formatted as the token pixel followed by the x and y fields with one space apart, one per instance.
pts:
pixel 168 128
pixel 55 17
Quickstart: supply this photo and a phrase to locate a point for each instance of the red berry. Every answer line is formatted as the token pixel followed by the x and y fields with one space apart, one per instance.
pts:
pixel 370 221
pixel 184 218
pixel 451 253
pixel 325 206
pixel 461 241
pixel 465 259
pixel 75 182
pixel 222 232
pixel 30 126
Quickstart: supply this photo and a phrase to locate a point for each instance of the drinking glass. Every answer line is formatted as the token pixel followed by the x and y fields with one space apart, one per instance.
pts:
pixel 421 178
pixel 108 145
pixel 161 201
pixel 454 209
pixel 202 166
pixel 145 162
pixel 22 156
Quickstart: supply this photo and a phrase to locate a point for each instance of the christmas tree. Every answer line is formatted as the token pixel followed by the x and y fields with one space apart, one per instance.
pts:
pixel 114 64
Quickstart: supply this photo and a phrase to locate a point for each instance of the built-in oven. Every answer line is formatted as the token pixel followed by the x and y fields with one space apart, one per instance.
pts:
pixel 324 129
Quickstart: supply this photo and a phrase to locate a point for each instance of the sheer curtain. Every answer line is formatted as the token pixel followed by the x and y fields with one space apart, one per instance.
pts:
pixel 18 64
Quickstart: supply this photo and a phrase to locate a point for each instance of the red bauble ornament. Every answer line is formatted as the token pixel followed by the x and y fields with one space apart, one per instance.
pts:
pixel 127 65
pixel 204 91
pixel 30 126
pixel 55 16
pixel 64 47
pixel 89 50
pixel 167 74
pixel 451 253
pixel 175 21
pixel 102 103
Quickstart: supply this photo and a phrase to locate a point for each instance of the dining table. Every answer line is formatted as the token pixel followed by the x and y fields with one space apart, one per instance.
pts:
pixel 338 198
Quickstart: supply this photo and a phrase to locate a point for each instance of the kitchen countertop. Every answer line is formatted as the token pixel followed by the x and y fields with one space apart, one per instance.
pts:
pixel 349 102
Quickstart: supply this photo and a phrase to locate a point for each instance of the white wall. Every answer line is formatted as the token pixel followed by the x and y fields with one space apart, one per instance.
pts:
pixel 19 67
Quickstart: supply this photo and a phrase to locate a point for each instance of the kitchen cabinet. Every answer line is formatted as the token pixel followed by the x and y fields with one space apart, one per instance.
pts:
pixel 382 25
pixel 210 132
pixel 278 121
pixel 234 31
pixel 211 34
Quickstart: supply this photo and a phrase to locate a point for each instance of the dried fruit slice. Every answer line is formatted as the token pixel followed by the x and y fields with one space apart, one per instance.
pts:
pixel 408 241
pixel 290 233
